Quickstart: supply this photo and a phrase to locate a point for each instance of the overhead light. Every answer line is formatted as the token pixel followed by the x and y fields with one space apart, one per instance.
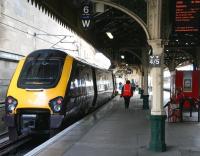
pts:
pixel 122 56
pixel 109 35
pixel 167 50
pixel 176 40
pixel 126 64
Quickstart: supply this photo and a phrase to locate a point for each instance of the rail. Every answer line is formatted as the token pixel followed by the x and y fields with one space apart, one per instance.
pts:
pixel 2 104
pixel 8 146
pixel 3 135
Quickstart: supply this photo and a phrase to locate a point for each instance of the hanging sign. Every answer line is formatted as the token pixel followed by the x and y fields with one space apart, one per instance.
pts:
pixel 187 16
pixel 86 14
pixel 155 60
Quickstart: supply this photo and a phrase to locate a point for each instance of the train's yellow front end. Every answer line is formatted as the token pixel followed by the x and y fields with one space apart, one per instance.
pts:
pixel 35 97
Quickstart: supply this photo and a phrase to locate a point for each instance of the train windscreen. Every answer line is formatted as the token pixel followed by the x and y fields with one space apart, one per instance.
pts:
pixel 40 74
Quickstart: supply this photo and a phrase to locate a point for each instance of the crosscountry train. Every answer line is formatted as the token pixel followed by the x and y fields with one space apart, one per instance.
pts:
pixel 48 87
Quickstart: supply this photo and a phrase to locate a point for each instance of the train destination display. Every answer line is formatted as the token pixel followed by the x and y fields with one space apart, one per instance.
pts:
pixel 187 16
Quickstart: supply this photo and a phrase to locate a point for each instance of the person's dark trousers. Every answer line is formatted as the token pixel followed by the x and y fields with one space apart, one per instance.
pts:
pixel 126 100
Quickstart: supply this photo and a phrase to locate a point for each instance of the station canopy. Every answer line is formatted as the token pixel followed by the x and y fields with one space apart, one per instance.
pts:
pixel 116 34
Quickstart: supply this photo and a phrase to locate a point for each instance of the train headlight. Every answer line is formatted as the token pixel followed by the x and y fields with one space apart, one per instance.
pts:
pixel 56 104
pixel 10 104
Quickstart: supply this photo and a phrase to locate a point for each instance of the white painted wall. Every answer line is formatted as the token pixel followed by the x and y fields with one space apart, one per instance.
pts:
pixel 19 22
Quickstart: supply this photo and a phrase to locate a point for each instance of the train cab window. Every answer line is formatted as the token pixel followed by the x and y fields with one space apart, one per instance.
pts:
pixel 40 73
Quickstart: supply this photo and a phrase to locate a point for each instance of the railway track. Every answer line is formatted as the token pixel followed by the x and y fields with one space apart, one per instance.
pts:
pixel 14 147
pixel 3 137
pixel 2 104
pixel 8 146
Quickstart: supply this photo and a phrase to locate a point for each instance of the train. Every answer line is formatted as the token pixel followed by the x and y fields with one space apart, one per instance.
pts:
pixel 49 87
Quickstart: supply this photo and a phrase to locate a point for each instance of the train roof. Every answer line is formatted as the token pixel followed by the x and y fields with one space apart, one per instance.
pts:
pixel 47 53
pixel 54 53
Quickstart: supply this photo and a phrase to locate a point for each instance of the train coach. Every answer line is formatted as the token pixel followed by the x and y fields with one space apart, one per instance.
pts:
pixel 48 87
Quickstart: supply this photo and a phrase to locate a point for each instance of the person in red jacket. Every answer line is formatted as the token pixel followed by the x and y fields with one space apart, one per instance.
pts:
pixel 127 93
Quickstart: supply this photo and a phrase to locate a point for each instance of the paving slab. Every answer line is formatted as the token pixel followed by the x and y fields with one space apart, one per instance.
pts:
pixel 114 131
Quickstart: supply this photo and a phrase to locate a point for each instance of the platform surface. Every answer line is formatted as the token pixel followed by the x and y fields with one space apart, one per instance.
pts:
pixel 114 131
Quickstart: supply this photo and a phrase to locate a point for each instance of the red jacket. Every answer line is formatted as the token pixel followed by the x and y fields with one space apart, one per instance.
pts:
pixel 127 90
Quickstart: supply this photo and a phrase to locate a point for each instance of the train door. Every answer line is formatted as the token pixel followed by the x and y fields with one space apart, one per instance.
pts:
pixel 81 90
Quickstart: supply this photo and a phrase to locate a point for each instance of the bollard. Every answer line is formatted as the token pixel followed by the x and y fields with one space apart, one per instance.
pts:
pixel 145 101
pixel 139 90
pixel 142 92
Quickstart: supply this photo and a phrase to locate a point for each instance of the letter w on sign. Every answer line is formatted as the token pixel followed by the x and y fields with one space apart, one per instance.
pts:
pixel 86 23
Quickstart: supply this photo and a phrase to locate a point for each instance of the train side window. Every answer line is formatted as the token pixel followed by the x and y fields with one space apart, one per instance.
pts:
pixel 88 86
pixel 84 81
pixel 76 82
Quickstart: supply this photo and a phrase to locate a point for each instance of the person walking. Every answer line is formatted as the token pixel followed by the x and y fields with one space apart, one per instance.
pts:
pixel 120 87
pixel 127 93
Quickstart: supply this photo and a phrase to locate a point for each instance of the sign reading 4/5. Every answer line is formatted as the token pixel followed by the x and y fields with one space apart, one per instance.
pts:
pixel 86 14
pixel 155 60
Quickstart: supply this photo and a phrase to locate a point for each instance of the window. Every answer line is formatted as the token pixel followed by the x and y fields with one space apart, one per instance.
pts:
pixel 40 73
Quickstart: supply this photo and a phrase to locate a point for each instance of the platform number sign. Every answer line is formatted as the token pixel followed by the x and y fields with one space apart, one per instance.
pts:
pixel 155 60
pixel 86 14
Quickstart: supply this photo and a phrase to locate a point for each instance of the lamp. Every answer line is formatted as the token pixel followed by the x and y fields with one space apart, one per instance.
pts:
pixel 109 35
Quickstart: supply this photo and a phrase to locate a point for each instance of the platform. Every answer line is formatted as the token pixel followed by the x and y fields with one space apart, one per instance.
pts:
pixel 114 131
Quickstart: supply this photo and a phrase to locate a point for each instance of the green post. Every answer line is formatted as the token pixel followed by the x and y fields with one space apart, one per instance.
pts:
pixel 145 101
pixel 142 92
pixel 157 142
pixel 139 90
